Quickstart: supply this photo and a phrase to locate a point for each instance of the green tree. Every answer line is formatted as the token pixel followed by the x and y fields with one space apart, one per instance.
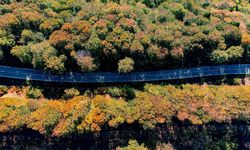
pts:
pixel 41 52
pixel 28 36
pixel 23 53
pixel 235 53
pixel 219 56
pixel 232 35
pixel 198 49
pixel 6 39
pixel 93 43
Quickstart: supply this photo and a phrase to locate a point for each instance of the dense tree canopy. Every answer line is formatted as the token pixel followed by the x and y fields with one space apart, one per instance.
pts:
pixel 154 105
pixel 96 35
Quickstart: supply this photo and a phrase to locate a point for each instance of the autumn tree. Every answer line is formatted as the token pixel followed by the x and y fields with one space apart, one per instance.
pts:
pixel 104 110
pixel 31 18
pixel 74 111
pixel 59 39
pixel 9 21
pixel 14 114
pixel 46 116
pixel 156 104
pixel 85 61
pixel 50 25
pixel 55 63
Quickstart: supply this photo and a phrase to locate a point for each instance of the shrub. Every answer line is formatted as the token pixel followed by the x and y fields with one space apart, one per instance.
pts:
pixel 34 93
pixel 248 27
pixel 152 3
pixel 126 65
pixel 129 92
pixel 235 23
pixel 224 144
pixel 45 117
pixel 133 145
pixel 124 91
pixel 115 91
pixel 88 93
pixel 3 89
pixel 70 93
pixel 164 146
pixel 237 81
pixel 1 54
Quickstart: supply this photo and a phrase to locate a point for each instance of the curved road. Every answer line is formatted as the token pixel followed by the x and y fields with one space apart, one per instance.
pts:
pixel 108 77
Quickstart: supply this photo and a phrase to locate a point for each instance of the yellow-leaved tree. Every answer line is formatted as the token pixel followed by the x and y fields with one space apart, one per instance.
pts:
pixel 14 113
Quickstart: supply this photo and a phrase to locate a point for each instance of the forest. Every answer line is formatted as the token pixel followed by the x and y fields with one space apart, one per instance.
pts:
pixel 123 35
pixel 155 104
pixel 187 113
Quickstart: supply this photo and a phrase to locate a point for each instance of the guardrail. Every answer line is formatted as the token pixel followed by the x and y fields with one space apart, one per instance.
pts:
pixel 108 77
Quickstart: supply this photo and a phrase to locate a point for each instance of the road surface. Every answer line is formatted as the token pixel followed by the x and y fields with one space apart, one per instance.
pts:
pixel 108 77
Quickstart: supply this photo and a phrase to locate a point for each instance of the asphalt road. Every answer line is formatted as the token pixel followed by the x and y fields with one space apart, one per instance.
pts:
pixel 108 77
